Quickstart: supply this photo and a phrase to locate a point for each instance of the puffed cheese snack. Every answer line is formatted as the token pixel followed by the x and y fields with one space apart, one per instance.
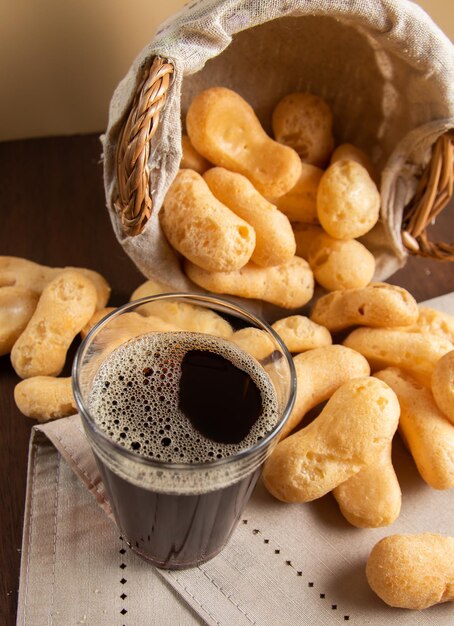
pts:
pixel 358 421
pixel 289 286
pixel 191 159
pixel 412 571
pixel 348 201
pixel 434 322
pixel 254 341
pixel 224 128
pixel 45 398
pixel 275 241
pixel 337 264
pixel 319 373
pixel 442 384
pixel 95 318
pixel 300 203
pixel 203 229
pixel 66 304
pixel 299 333
pixel 349 152
pixel 378 305
pixel 340 264
pixel 17 305
pixel 304 122
pixel 371 498
pixel 18 272
pixel 184 315
pixel 428 434
pixel 414 352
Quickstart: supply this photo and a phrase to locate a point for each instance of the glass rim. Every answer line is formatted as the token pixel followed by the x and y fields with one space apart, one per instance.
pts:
pixel 193 298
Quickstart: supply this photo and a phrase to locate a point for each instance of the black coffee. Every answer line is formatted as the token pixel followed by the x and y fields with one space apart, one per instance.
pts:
pixel 220 400
pixel 184 398
pixel 176 531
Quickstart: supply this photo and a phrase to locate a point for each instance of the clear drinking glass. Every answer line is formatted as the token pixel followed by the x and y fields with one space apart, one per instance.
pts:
pixel 181 415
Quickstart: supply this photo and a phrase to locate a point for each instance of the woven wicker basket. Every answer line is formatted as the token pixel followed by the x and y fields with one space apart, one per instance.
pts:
pixel 134 204
pixel 142 144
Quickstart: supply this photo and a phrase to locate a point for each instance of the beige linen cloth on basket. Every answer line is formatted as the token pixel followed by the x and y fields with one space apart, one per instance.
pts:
pixel 285 564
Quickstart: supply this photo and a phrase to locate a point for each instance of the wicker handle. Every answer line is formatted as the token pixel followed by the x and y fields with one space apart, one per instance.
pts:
pixel 134 202
pixel 434 192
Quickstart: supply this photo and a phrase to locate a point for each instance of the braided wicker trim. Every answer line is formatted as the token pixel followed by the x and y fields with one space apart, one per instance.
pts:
pixel 434 191
pixel 134 203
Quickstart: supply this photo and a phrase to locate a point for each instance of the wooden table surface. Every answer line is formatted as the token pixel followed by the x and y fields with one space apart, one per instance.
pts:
pixel 53 212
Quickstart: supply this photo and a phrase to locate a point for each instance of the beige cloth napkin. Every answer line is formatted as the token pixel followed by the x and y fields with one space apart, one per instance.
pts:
pixel 285 564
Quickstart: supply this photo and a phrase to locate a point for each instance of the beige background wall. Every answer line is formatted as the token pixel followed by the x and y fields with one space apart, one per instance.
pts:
pixel 60 60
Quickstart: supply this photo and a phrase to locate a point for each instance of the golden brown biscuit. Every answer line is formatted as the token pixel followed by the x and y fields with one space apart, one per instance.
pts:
pixel 319 373
pixel 203 229
pixel 348 201
pixel 225 130
pixel 426 431
pixel 412 571
pixel 191 159
pixel 349 152
pixel 337 264
pixel 183 315
pixel 123 328
pixel 150 287
pixel 18 272
pixel 97 317
pixel 17 305
pixel 45 398
pixel 290 285
pixel 65 306
pixel 384 347
pixel 304 122
pixel 434 322
pixel 300 203
pixel 357 423
pixel 299 333
pixel 378 305
pixel 371 498
pixel 275 241
pixel 254 341
pixel 443 385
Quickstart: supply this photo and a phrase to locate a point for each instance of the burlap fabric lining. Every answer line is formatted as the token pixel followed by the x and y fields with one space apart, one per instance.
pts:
pixel 384 67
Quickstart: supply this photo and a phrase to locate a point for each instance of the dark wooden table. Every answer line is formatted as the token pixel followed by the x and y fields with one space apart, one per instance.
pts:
pixel 53 212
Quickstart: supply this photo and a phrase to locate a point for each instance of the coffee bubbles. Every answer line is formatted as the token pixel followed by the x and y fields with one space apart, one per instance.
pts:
pixel 183 397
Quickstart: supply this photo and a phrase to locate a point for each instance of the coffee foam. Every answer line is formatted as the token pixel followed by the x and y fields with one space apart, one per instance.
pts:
pixel 134 398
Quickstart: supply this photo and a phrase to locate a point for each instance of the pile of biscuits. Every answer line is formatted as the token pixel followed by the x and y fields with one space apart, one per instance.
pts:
pixel 261 218
pixel 42 309
pixel 264 218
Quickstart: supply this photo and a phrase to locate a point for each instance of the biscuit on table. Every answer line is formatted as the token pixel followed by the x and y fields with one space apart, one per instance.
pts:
pixel 378 305
pixel 358 421
pixel 299 333
pixel 428 434
pixel 412 571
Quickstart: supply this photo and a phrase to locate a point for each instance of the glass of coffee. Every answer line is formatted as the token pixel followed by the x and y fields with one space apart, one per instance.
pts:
pixel 181 414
